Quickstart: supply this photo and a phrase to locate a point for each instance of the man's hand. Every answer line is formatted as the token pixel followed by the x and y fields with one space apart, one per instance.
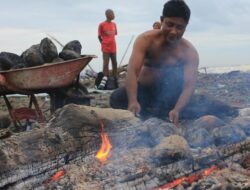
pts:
pixel 174 117
pixel 134 107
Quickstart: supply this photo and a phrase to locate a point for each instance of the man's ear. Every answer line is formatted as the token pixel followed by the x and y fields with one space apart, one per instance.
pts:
pixel 161 18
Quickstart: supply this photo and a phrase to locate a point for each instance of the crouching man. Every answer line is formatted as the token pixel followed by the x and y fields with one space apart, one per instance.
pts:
pixel 162 69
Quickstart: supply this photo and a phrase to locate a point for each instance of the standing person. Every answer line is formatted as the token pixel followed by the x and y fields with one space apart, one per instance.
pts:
pixel 157 25
pixel 106 35
pixel 162 69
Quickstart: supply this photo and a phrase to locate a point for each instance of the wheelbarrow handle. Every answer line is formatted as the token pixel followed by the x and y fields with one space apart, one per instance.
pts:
pixel 4 85
pixel 2 80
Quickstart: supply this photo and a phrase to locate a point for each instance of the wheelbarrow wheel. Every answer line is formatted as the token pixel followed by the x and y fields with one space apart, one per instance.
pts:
pixel 76 94
pixel 76 91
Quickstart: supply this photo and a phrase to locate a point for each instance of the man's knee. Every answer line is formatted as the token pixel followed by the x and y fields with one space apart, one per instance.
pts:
pixel 118 99
pixel 113 100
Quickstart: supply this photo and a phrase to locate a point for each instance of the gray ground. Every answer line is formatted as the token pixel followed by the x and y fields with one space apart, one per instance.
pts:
pixel 232 88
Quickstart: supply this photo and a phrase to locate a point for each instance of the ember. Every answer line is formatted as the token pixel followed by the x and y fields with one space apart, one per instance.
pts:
pixel 189 180
pixel 55 177
pixel 103 152
pixel 145 155
pixel 58 175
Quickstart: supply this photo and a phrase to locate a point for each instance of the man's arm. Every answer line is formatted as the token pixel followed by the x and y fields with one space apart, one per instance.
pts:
pixel 134 68
pixel 190 77
pixel 116 29
pixel 100 39
pixel 100 33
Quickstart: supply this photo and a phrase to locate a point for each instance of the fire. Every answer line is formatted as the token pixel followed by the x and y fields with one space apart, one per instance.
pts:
pixel 103 152
pixel 190 179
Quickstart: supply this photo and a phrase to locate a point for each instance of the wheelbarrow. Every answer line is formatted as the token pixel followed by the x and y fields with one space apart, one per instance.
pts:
pixel 48 78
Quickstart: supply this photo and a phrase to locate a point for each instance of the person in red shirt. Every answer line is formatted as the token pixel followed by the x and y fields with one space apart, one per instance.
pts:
pixel 106 35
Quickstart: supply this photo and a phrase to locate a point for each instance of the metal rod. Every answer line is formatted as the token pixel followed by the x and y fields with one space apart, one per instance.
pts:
pixel 57 41
pixel 126 49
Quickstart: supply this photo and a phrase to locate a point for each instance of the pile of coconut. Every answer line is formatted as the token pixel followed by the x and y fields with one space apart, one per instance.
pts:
pixel 44 52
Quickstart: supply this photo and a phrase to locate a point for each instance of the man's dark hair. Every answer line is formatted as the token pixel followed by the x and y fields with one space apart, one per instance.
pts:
pixel 176 8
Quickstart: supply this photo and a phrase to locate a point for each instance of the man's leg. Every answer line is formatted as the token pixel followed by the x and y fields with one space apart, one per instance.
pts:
pixel 106 57
pixel 201 104
pixel 146 98
pixel 105 71
pixel 114 64
pixel 168 90
pixel 119 99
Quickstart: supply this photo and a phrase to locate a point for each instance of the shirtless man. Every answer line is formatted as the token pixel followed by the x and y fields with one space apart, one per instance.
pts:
pixel 162 69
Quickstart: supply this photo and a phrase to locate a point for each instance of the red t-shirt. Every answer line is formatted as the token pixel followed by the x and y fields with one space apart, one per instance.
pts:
pixel 107 32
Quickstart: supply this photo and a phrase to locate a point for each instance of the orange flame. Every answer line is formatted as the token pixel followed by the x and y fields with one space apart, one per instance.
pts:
pixel 103 152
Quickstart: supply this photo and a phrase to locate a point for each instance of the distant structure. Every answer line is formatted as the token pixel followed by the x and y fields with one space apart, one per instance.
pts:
pixel 157 25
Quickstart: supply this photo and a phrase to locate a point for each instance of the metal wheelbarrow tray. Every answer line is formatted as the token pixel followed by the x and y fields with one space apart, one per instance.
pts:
pixel 44 77
pixel 47 78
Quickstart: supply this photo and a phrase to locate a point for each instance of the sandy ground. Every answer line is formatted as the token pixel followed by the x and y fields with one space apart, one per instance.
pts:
pixel 232 88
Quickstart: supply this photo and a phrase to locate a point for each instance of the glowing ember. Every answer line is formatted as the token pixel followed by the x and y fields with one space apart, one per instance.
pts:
pixel 209 170
pixel 172 184
pixel 55 177
pixel 58 175
pixel 190 179
pixel 103 152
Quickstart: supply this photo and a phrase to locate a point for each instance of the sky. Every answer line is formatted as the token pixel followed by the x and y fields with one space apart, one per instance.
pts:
pixel 220 30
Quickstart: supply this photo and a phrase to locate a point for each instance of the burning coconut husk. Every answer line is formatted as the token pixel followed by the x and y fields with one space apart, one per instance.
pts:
pixel 137 154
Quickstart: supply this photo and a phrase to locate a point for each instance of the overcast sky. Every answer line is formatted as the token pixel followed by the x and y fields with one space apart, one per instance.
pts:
pixel 220 30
